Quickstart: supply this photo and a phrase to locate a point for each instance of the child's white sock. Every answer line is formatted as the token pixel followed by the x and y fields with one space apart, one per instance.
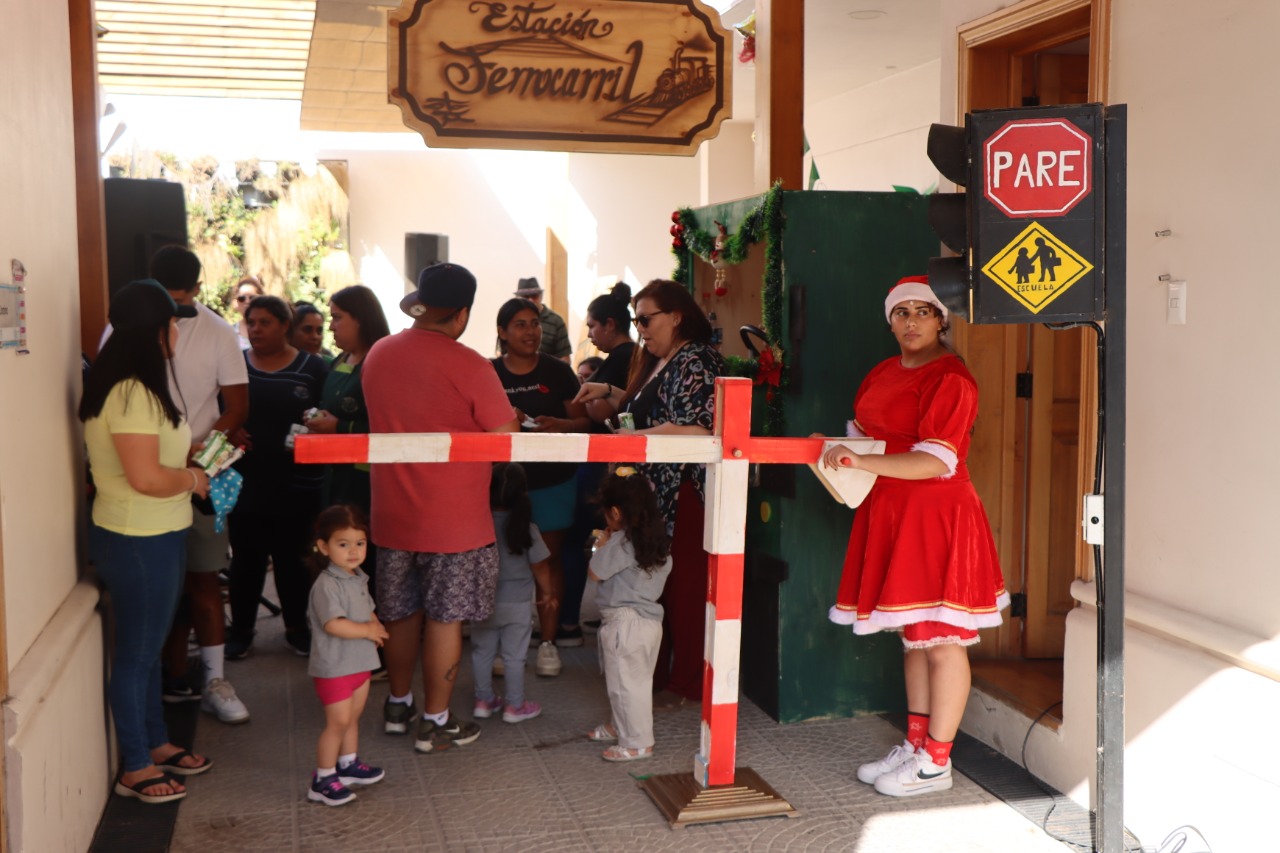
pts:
pixel 345 761
pixel 322 772
pixel 406 699
pixel 212 657
pixel 439 719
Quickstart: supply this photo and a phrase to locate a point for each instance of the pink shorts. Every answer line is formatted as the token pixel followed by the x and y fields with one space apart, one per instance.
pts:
pixel 922 635
pixel 339 688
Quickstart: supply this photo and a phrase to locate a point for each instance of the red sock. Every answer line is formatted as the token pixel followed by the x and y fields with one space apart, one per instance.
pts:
pixel 938 750
pixel 917 729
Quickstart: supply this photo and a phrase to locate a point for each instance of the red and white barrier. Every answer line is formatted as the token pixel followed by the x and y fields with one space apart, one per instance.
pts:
pixel 728 455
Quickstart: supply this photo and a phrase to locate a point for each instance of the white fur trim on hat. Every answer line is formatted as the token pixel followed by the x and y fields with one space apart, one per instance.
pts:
pixel 912 290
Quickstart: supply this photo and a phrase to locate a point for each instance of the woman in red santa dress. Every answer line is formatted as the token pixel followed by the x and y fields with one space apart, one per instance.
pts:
pixel 921 558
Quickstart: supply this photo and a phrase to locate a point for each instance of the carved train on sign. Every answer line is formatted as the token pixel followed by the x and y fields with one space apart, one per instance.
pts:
pixel 627 76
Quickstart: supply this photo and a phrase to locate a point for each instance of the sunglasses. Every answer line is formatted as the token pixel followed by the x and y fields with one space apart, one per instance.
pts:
pixel 642 320
pixel 244 297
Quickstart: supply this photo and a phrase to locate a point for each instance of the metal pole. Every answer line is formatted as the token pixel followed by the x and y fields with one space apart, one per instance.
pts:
pixel 1110 766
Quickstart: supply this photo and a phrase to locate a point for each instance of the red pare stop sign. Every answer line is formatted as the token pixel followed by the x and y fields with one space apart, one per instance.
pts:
pixel 1037 167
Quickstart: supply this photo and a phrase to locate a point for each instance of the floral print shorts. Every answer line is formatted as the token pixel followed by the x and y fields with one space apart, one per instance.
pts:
pixel 446 587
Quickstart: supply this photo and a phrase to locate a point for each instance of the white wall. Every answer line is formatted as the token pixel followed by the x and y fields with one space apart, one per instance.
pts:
pixel 56 766
pixel 1202 473
pixel 874 137
pixel 611 211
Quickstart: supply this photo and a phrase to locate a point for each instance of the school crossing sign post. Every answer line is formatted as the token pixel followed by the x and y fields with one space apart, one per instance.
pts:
pixel 1037 214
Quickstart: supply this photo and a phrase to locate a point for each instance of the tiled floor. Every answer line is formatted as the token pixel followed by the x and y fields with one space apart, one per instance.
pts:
pixel 539 786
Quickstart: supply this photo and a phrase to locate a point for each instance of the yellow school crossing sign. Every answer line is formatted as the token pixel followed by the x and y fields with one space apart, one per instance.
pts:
pixel 1036 268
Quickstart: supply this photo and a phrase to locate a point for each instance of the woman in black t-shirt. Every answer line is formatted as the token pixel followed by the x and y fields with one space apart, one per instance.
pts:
pixel 609 328
pixel 542 388
pixel 273 515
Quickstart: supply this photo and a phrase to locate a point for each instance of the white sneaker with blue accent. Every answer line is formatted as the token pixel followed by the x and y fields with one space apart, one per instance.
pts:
pixel 917 776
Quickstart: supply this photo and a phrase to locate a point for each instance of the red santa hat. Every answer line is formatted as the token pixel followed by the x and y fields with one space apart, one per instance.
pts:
pixel 913 287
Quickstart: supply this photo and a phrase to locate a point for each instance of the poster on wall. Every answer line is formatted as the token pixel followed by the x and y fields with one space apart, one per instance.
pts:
pixel 13 311
pixel 627 76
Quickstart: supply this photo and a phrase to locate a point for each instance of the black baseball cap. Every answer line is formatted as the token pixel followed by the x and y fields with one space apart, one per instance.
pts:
pixel 441 286
pixel 144 303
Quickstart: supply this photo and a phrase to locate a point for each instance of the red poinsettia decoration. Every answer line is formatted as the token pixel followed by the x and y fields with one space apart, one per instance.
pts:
pixel 769 370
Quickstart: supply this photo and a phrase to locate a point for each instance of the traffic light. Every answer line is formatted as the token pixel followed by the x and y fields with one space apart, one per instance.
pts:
pixel 950 217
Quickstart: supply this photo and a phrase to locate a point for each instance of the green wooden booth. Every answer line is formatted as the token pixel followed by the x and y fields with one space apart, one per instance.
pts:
pixel 837 255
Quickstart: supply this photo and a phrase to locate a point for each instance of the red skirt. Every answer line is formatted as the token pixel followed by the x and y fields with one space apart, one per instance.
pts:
pixel 920 550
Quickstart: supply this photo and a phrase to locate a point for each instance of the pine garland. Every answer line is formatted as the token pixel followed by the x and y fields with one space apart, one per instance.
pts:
pixel 763 222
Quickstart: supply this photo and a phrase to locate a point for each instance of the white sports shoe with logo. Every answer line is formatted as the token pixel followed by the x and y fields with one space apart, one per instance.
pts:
pixel 873 770
pixel 220 700
pixel 917 776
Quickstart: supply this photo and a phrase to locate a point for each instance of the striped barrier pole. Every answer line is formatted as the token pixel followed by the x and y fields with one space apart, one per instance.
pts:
pixel 728 454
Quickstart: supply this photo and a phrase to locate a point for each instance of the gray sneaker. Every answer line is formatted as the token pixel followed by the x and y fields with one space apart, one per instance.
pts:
pixel 220 700
pixel 396 717
pixel 432 737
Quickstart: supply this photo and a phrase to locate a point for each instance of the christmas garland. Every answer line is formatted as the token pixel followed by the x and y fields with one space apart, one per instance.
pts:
pixel 763 222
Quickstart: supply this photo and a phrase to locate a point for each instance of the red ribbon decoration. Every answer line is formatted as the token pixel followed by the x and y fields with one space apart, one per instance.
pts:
pixel 770 371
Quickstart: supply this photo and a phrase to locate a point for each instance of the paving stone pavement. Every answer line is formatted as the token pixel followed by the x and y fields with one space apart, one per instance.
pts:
pixel 540 786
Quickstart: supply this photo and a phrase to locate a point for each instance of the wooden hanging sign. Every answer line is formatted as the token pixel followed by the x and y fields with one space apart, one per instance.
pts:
pixel 617 76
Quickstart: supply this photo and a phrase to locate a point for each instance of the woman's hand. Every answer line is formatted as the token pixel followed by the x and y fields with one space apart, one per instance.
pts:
pixel 593 391
pixel 546 423
pixel 840 457
pixel 200 484
pixel 547 600
pixel 322 422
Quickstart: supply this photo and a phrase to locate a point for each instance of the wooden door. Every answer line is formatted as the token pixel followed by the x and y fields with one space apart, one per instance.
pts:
pixel 1031 455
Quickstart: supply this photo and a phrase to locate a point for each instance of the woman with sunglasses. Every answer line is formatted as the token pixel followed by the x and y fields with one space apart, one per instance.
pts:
pixel 243 293
pixel 671 391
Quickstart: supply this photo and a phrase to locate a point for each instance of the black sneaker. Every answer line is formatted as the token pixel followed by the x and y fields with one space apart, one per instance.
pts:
pixel 237 649
pixel 299 641
pixel 568 638
pixel 177 690
pixel 397 716
pixel 433 737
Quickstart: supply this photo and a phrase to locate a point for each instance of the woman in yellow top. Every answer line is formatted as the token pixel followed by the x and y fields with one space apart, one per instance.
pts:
pixel 138 449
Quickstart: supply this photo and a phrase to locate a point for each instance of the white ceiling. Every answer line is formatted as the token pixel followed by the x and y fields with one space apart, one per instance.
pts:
pixel 223 48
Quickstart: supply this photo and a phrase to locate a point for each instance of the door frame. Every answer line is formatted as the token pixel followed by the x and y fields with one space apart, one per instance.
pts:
pixel 989 56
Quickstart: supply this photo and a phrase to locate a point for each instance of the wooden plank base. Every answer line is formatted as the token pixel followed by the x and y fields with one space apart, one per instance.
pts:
pixel 683 801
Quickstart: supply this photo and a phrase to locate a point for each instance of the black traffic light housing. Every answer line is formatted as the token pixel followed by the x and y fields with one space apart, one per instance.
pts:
pixel 950 216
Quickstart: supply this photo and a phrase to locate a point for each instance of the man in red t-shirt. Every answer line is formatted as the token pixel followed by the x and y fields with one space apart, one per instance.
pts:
pixel 437 557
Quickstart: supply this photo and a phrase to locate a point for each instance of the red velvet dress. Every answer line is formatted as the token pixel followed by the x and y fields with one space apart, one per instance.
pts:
pixel 920 550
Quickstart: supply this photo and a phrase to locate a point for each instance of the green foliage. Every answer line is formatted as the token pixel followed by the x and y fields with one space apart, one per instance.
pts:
pixel 763 222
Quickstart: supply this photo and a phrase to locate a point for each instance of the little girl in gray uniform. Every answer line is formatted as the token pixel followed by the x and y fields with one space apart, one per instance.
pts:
pixel 631 564
pixel 522 562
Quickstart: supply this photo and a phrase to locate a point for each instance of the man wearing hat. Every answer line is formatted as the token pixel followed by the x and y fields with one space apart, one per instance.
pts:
pixel 437 557
pixel 555 337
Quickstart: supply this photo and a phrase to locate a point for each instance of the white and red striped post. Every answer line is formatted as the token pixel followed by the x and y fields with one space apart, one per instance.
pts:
pixel 724 539
pixel 728 455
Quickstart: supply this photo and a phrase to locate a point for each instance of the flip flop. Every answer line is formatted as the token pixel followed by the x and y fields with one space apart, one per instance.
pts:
pixel 601 734
pixel 623 753
pixel 136 790
pixel 172 764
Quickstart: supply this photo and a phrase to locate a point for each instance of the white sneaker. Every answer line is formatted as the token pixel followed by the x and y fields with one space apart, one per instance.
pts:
pixel 220 699
pixel 917 776
pixel 873 770
pixel 548 664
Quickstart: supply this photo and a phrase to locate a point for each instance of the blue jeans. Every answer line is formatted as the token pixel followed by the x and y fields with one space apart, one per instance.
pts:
pixel 144 575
